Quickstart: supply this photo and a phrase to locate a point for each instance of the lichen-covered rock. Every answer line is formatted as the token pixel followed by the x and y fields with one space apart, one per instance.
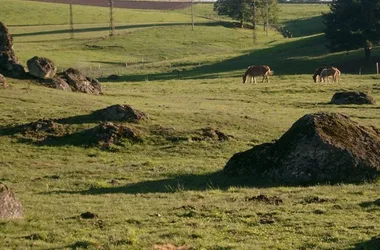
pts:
pixel 10 207
pixel 352 97
pixel 57 83
pixel 108 133
pixel 43 128
pixel 120 113
pixel 81 83
pixel 9 63
pixel 41 67
pixel 3 82
pixel 321 147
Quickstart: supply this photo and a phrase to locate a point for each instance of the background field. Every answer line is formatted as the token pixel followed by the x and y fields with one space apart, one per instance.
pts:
pixel 162 190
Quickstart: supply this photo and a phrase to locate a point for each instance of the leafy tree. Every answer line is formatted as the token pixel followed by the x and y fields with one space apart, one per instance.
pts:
pixel 241 10
pixel 353 24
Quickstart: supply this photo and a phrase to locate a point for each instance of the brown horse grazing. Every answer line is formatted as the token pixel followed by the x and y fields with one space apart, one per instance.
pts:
pixel 317 74
pixel 253 71
pixel 330 71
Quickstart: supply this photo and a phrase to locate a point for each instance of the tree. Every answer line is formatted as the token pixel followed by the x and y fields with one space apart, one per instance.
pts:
pixel 241 10
pixel 353 24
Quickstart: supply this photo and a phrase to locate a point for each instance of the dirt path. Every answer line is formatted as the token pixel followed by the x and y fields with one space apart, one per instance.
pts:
pixel 153 5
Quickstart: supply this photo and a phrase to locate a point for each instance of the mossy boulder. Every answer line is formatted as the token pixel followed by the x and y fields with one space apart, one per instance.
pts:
pixel 121 113
pixel 41 67
pixel 352 97
pixel 79 82
pixel 318 148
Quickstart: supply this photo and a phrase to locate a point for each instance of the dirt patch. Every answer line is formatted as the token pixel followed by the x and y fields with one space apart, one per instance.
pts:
pixel 203 134
pixel 210 133
pixel 169 247
pixel 315 199
pixel 321 147
pixel 352 97
pixel 265 199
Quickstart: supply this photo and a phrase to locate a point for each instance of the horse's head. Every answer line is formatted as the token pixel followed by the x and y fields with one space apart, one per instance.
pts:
pixel 315 77
pixel 244 78
pixel 271 72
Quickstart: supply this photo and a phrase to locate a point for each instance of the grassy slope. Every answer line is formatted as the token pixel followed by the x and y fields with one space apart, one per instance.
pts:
pixel 172 191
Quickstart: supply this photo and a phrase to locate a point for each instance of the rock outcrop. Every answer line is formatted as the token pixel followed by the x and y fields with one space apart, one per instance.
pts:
pixel 3 82
pixel 78 82
pixel 108 133
pixel 121 113
pixel 318 148
pixel 57 83
pixel 352 97
pixel 9 63
pixel 10 207
pixel 41 67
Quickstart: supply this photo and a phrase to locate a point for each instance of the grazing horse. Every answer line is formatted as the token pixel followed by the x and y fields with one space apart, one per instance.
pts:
pixel 330 71
pixel 317 74
pixel 253 71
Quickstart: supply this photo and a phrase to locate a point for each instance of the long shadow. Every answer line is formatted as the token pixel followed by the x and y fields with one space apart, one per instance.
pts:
pixel 278 57
pixel 305 27
pixel 372 244
pixel 307 55
pixel 217 180
pixel 121 27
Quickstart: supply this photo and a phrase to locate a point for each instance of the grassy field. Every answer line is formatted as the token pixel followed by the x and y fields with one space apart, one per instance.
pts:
pixel 169 188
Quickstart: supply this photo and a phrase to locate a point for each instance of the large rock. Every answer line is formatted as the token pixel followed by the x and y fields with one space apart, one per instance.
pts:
pixel 120 113
pixel 108 133
pixel 10 207
pixel 3 82
pixel 9 63
pixel 321 147
pixel 57 83
pixel 352 97
pixel 41 67
pixel 81 83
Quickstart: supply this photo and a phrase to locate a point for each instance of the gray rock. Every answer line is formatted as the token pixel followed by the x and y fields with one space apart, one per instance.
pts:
pixel 352 97
pixel 10 207
pixel 3 82
pixel 321 147
pixel 41 67
pixel 57 83
pixel 81 83
pixel 9 63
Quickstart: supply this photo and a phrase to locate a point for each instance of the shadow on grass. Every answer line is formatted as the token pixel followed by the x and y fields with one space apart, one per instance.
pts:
pixel 79 119
pixel 190 182
pixel 305 27
pixel 372 244
pixel 121 27
pixel 300 61
pixel 367 204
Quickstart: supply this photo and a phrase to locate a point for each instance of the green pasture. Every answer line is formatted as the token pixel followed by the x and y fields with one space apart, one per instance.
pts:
pixel 169 187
